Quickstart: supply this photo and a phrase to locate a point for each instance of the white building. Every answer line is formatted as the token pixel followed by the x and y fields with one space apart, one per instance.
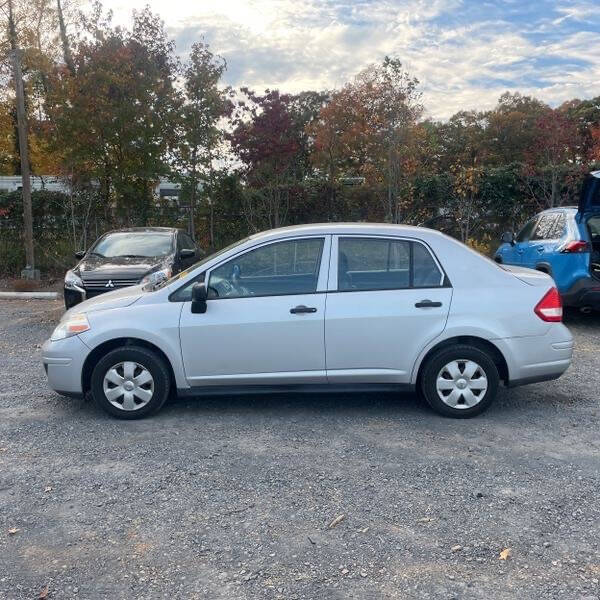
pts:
pixel 11 183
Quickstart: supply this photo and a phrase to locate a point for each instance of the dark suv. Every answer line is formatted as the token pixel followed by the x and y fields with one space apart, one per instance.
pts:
pixel 128 257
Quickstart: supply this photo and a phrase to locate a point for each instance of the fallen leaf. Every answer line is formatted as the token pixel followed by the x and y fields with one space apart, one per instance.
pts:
pixel 13 530
pixel 505 554
pixel 336 521
pixel 425 520
pixel 44 593
pixel 48 489
pixel 456 548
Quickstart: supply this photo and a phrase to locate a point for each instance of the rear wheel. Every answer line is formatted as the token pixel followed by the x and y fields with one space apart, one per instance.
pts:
pixel 130 382
pixel 460 382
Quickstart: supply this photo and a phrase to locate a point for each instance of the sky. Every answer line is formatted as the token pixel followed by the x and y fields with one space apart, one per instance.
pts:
pixel 465 53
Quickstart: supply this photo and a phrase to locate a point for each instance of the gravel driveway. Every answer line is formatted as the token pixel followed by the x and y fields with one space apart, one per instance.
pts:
pixel 232 498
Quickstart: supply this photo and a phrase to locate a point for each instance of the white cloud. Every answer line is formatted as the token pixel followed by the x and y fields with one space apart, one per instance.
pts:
pixel 321 44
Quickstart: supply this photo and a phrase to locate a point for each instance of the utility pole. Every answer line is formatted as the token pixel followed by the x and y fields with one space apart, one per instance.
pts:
pixel 17 54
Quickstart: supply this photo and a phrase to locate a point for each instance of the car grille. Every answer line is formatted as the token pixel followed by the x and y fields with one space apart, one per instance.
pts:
pixel 106 285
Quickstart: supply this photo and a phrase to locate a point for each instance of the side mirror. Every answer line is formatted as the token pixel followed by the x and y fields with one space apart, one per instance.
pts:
pixel 199 296
pixel 80 254
pixel 187 253
pixel 508 237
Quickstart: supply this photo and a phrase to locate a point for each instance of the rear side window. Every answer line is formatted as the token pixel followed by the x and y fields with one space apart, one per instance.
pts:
pixel 382 264
pixel 560 226
pixel 545 227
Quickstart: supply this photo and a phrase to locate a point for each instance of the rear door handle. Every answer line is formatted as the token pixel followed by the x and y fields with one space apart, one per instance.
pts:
pixel 427 304
pixel 303 309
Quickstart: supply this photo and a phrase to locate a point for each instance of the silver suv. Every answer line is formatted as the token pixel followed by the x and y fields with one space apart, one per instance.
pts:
pixel 350 306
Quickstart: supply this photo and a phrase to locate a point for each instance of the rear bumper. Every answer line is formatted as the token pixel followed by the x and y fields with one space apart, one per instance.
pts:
pixel 537 358
pixel 584 292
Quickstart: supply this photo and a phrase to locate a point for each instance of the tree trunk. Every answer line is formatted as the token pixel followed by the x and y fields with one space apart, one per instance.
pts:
pixel 68 57
pixel 23 145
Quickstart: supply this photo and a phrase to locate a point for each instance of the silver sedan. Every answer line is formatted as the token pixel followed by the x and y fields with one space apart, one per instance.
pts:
pixel 334 306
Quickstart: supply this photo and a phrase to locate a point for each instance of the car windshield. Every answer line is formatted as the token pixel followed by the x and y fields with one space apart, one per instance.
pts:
pixel 134 244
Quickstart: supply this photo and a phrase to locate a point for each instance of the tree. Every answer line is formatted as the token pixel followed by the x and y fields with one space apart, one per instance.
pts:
pixel 552 160
pixel 365 131
pixel 199 134
pixel 115 121
pixel 265 141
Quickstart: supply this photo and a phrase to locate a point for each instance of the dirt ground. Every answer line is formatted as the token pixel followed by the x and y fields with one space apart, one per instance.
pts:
pixel 232 497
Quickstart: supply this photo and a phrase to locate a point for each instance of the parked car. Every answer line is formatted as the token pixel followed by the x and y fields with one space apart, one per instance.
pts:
pixel 128 257
pixel 334 306
pixel 565 243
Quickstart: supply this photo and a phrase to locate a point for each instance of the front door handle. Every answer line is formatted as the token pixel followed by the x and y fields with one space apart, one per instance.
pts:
pixel 303 309
pixel 427 304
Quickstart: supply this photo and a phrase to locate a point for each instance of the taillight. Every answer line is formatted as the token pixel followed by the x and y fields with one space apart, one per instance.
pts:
pixel 549 308
pixel 576 247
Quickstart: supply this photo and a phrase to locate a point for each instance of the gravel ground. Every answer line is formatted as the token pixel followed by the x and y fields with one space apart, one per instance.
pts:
pixel 231 498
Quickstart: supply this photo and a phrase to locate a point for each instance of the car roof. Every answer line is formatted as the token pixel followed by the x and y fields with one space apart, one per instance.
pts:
pixel 341 228
pixel 560 209
pixel 144 230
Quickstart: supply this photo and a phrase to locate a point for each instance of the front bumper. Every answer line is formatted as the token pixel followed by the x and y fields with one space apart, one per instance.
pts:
pixel 63 362
pixel 584 292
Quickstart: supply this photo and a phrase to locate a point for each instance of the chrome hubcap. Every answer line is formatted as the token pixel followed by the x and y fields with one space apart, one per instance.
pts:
pixel 461 384
pixel 128 385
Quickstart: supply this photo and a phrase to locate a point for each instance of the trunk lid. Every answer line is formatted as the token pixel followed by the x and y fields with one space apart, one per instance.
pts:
pixel 530 276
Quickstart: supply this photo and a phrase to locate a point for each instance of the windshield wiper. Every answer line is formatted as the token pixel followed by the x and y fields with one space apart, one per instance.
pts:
pixel 132 256
pixel 97 254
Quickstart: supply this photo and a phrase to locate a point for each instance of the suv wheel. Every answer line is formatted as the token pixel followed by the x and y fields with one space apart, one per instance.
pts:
pixel 460 382
pixel 130 382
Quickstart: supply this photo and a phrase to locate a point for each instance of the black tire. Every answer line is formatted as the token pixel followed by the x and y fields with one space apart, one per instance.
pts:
pixel 150 361
pixel 460 352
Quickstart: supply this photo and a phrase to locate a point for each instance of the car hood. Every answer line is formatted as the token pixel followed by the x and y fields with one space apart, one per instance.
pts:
pixel 116 299
pixel 529 276
pixel 98 267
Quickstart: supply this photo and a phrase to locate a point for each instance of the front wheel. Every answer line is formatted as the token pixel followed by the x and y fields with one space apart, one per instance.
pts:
pixel 130 382
pixel 460 381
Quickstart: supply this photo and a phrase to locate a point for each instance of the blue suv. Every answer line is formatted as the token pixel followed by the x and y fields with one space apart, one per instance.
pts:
pixel 565 243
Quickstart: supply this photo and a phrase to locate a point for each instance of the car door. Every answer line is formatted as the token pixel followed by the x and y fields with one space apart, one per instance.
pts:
pixel 522 243
pixel 541 242
pixel 387 298
pixel 265 317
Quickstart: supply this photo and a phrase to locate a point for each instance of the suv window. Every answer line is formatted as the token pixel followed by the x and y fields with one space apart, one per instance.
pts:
pixel 290 267
pixel 545 227
pixel 525 234
pixel 560 226
pixel 380 264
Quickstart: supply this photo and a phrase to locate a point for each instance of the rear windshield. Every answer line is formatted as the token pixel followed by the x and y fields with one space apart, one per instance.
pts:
pixel 134 244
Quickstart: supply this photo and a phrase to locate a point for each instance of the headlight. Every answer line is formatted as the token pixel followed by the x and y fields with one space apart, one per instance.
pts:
pixel 73 281
pixel 73 325
pixel 156 276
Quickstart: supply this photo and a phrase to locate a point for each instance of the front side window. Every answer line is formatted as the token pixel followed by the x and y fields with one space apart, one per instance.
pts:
pixel 525 234
pixel 281 268
pixel 380 264
pixel 133 244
